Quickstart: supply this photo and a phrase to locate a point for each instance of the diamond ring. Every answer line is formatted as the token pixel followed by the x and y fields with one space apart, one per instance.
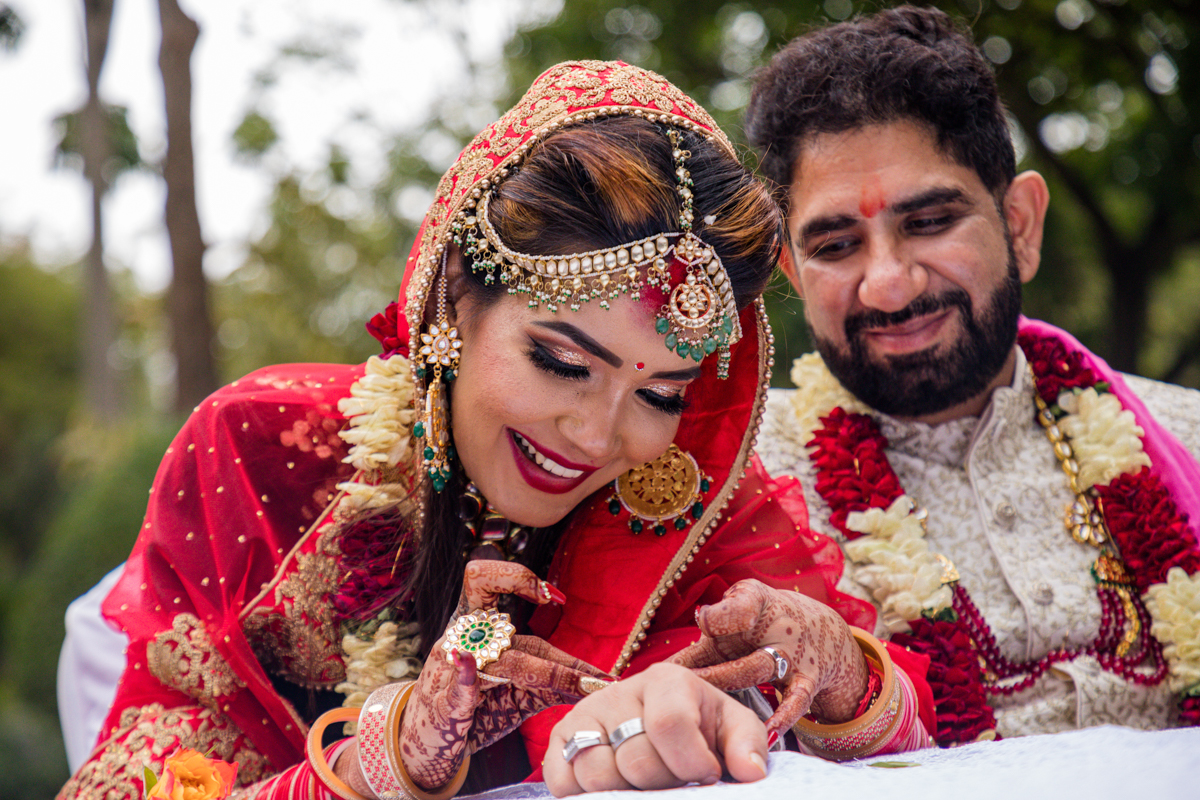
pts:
pixel 582 740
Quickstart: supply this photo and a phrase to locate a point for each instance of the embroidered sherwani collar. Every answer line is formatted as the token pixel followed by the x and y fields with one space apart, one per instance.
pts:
pixel 949 443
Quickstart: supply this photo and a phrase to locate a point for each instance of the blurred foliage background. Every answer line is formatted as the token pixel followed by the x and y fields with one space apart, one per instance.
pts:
pixel 1104 102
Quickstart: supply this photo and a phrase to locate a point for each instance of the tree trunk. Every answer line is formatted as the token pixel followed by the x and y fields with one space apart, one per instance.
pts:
pixel 102 391
pixel 187 298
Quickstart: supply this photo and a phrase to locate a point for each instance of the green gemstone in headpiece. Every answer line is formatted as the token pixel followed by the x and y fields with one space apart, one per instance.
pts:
pixel 662 325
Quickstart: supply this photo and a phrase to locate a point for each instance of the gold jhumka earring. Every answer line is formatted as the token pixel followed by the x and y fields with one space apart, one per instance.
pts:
pixel 440 352
pixel 666 490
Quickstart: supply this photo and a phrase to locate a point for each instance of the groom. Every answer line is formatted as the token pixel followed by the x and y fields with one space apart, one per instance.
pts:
pixel 1010 505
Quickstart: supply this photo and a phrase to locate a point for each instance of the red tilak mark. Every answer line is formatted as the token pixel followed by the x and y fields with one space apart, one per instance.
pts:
pixel 872 198
pixel 639 366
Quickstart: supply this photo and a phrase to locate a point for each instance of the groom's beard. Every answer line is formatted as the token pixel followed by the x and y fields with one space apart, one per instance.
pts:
pixel 932 380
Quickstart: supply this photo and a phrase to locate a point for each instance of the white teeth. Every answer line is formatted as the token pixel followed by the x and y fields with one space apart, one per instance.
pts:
pixel 544 462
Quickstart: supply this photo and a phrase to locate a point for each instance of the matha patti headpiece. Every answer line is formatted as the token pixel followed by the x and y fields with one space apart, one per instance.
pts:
pixel 700 315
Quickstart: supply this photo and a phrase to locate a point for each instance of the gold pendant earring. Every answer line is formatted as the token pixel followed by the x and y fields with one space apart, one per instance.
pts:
pixel 664 490
pixel 441 350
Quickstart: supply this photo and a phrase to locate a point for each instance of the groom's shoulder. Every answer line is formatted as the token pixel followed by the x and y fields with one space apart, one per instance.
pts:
pixel 1175 407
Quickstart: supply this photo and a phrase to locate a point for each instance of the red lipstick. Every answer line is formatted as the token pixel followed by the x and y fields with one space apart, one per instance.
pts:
pixel 537 476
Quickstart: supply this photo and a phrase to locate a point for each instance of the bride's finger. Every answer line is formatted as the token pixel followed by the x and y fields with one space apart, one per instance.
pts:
pixel 797 699
pixel 703 653
pixel 737 612
pixel 540 648
pixel 486 581
pixel 757 668
pixel 538 675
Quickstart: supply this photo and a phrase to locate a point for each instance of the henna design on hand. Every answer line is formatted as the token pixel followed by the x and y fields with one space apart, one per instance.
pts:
pixel 827 673
pixel 452 711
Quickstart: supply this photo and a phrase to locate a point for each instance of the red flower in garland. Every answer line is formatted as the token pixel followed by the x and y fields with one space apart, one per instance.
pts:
pixel 1189 710
pixel 1055 368
pixel 853 473
pixel 955 677
pixel 376 572
pixel 1151 532
pixel 384 327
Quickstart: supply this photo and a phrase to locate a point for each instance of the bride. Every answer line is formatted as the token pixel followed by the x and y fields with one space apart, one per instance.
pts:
pixel 527 496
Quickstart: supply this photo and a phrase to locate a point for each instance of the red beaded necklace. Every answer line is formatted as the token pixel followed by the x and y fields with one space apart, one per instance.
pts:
pixel 1133 514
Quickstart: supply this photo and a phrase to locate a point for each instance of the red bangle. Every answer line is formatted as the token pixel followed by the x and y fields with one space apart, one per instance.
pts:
pixel 874 684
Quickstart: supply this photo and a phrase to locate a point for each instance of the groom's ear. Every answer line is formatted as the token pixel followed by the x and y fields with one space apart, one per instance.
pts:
pixel 788 267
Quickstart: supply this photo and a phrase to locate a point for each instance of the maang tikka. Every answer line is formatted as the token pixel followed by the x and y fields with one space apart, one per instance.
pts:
pixel 439 355
pixel 700 315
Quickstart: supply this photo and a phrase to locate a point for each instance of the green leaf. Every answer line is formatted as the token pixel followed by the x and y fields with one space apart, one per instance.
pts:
pixel 893 764
pixel 151 780
pixel 254 135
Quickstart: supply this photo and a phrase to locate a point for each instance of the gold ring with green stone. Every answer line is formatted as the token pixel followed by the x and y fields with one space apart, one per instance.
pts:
pixel 484 634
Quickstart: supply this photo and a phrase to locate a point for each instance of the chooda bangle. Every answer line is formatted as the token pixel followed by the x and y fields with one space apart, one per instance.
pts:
pixel 379 748
pixel 316 754
pixel 867 734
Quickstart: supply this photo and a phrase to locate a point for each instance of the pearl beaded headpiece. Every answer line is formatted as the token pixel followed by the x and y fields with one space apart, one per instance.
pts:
pixel 700 315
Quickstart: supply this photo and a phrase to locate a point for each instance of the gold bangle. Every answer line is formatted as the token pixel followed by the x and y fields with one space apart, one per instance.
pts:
pixel 379 748
pixel 863 735
pixel 316 754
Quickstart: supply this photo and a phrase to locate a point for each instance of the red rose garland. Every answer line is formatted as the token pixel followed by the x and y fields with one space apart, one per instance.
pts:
pixel 853 475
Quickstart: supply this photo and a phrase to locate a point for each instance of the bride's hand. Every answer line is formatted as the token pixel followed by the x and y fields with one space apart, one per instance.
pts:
pixel 455 710
pixel 826 671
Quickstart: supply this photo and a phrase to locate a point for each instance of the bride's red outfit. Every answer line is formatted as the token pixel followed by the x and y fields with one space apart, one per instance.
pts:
pixel 228 596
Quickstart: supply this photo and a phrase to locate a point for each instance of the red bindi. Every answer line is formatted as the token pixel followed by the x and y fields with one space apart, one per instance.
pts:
pixel 871 202
pixel 639 366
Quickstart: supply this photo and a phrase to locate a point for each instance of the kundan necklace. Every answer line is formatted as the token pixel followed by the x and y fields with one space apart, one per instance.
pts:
pixel 1120 507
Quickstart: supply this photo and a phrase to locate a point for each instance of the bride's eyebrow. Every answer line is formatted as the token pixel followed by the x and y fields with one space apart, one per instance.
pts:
pixel 678 374
pixel 584 341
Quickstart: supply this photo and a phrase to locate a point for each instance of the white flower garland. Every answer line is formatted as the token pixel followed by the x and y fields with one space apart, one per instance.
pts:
pixel 381 414
pixel 1104 435
pixel 1175 609
pixel 894 562
pixel 390 655
pixel 904 577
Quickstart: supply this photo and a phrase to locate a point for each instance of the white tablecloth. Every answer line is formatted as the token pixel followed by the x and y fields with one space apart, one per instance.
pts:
pixel 1092 764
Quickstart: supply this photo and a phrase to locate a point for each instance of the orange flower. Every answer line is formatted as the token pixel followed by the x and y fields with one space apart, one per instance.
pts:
pixel 188 775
